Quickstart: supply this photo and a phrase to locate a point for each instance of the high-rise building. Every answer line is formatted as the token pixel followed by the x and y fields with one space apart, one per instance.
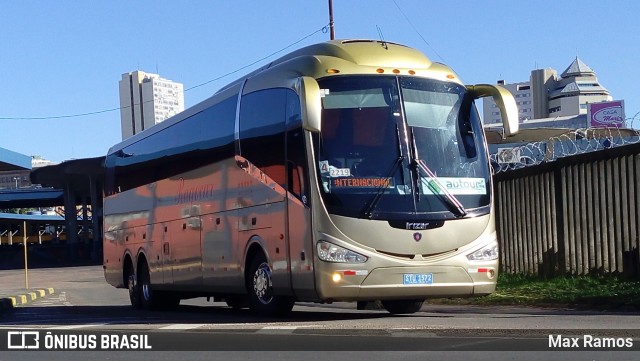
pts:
pixel 547 95
pixel 147 99
pixel 521 92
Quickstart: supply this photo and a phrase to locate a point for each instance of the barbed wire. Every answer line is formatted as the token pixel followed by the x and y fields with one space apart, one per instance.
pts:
pixel 573 142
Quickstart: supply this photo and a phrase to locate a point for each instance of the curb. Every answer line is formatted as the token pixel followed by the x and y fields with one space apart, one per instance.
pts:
pixel 9 302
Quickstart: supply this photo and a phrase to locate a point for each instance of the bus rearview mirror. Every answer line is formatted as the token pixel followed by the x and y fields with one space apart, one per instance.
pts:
pixel 505 102
pixel 309 91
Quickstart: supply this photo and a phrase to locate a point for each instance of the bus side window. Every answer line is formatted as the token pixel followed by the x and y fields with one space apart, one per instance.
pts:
pixel 297 178
pixel 262 120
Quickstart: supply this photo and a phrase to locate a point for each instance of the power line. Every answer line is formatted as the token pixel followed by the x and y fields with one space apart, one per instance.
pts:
pixel 324 29
pixel 416 30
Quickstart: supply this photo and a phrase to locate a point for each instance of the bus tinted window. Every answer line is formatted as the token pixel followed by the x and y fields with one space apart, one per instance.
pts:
pixel 202 138
pixel 298 178
pixel 262 122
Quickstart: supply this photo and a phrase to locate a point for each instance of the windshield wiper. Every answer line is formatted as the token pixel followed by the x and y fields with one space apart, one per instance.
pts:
pixel 434 184
pixel 376 198
pixel 439 190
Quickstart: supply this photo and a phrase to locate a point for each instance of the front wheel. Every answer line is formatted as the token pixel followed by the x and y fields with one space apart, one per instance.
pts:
pixel 260 289
pixel 397 307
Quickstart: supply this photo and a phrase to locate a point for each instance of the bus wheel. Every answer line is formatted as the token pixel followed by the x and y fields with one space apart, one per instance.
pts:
pixel 402 306
pixel 134 290
pixel 144 283
pixel 260 289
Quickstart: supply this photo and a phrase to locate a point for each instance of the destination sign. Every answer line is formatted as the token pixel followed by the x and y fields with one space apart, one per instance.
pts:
pixel 362 182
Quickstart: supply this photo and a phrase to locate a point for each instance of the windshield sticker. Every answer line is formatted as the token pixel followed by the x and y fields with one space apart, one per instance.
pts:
pixel 333 172
pixel 362 183
pixel 339 172
pixel 455 186
pixel 324 166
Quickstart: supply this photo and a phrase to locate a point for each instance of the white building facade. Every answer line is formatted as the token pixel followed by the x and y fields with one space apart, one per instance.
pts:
pixel 147 99
pixel 521 92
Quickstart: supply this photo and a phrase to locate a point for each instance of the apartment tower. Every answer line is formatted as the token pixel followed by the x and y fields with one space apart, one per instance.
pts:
pixel 147 99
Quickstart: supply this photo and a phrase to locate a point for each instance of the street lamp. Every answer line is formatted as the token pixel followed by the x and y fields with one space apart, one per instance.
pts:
pixel 16 179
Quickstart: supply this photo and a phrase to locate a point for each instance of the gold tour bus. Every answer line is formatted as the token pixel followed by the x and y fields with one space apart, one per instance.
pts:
pixel 350 170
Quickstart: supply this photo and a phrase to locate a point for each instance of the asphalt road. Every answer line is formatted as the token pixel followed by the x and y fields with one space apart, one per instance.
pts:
pixel 84 305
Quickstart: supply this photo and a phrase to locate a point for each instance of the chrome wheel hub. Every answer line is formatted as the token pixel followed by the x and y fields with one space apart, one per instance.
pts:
pixel 262 283
pixel 146 292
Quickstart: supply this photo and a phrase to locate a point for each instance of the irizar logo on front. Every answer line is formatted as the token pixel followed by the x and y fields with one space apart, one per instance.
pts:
pixel 417 225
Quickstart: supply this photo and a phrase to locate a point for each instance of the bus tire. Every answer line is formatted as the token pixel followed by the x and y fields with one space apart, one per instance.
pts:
pixel 260 288
pixel 147 297
pixel 397 307
pixel 132 286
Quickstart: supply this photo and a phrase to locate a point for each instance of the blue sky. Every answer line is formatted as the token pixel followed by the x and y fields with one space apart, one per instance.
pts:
pixel 65 57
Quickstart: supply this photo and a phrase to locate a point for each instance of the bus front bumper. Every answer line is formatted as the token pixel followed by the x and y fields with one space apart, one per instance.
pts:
pixel 405 282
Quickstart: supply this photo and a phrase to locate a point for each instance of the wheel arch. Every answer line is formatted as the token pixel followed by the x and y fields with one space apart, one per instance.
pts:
pixel 255 246
pixel 127 264
pixel 132 260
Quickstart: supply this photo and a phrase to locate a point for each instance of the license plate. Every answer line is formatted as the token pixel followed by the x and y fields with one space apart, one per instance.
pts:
pixel 417 278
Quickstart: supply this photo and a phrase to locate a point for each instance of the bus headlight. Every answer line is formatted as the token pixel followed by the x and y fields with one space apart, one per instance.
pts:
pixel 487 253
pixel 331 253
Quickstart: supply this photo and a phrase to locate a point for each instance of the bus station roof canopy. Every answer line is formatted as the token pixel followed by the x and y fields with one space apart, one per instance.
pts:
pixel 30 217
pixel 74 173
pixel 12 161
pixel 31 198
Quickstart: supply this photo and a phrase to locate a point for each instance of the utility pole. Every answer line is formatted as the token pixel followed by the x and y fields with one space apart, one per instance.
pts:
pixel 332 30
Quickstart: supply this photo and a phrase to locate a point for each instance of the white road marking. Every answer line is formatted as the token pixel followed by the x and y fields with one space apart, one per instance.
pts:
pixel 277 329
pixel 182 326
pixel 75 327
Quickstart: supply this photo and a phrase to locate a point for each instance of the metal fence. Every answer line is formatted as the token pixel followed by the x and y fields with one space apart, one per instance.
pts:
pixel 576 215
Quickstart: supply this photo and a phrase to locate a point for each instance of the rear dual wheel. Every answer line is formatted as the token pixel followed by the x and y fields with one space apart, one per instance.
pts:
pixel 132 286
pixel 142 295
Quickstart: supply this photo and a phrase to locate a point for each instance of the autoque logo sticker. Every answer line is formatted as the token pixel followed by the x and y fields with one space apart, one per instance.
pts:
pixel 459 186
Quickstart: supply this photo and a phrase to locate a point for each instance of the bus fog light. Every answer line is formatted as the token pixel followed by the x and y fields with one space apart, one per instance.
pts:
pixel 487 253
pixel 336 277
pixel 331 253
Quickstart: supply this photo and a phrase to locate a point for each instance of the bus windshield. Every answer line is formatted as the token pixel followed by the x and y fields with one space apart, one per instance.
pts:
pixel 401 148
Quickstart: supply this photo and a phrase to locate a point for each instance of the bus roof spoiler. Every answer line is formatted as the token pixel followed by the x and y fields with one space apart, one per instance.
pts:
pixel 505 102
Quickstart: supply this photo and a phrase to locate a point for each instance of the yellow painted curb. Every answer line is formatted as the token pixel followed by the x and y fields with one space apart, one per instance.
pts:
pixel 18 300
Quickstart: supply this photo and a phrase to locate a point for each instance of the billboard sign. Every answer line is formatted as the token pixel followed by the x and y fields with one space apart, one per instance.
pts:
pixel 606 114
